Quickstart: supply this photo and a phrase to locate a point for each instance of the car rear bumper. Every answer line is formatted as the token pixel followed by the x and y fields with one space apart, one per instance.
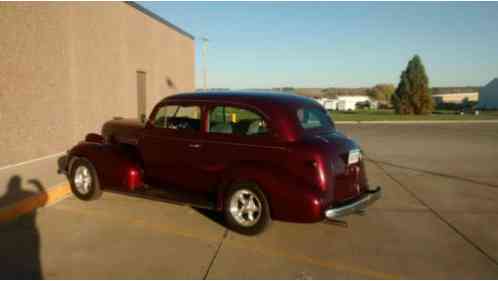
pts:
pixel 355 206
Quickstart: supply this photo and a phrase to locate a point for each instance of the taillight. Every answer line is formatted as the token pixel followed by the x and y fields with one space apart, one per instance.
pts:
pixel 133 179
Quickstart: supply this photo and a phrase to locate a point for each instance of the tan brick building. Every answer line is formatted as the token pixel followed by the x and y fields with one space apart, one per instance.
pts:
pixel 455 97
pixel 65 68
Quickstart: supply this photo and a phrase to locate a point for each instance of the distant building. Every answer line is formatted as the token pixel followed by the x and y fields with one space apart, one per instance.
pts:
pixel 455 97
pixel 488 95
pixel 347 103
pixel 330 104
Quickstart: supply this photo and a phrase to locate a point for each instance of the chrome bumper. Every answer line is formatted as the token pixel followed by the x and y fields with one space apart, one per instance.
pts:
pixel 356 206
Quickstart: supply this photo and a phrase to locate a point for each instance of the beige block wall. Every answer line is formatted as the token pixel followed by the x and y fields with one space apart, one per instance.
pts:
pixel 65 68
pixel 457 98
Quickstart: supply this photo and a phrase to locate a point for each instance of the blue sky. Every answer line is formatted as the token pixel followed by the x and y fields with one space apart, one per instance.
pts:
pixel 338 44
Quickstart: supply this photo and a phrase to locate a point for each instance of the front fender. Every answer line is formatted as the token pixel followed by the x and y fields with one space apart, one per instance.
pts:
pixel 113 163
pixel 289 199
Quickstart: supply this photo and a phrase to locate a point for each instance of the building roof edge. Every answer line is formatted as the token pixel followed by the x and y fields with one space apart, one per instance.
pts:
pixel 158 18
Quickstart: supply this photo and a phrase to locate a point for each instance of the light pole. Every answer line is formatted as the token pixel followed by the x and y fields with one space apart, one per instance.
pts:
pixel 204 64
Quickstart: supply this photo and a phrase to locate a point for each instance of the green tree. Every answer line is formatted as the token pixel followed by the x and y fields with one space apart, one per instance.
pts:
pixel 412 94
pixel 381 92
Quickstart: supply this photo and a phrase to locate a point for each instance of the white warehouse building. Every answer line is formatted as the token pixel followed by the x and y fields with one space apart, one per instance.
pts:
pixel 346 103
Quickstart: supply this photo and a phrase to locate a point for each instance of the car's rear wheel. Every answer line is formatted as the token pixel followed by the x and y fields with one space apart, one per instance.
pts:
pixel 84 180
pixel 246 209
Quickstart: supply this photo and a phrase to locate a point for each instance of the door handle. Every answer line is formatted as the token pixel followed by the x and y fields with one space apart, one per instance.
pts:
pixel 194 145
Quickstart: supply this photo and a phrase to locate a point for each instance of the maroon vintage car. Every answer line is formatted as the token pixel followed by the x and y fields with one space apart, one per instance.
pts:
pixel 253 156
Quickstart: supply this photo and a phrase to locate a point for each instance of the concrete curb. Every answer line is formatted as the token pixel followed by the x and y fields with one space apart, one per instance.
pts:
pixel 419 122
pixel 26 205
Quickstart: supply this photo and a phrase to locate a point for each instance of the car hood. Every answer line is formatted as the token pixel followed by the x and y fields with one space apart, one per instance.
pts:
pixel 123 130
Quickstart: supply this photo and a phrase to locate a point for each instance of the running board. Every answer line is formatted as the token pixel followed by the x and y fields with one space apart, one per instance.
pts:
pixel 172 196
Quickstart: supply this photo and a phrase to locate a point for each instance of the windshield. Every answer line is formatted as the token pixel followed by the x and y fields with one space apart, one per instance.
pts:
pixel 314 118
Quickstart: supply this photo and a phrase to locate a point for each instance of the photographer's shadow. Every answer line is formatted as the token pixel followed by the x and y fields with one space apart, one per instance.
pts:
pixel 19 238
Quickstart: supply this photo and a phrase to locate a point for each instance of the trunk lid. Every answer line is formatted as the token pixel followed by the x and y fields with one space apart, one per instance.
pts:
pixel 345 181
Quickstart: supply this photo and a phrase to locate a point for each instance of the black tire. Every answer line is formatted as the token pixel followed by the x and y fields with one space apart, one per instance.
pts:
pixel 93 191
pixel 264 218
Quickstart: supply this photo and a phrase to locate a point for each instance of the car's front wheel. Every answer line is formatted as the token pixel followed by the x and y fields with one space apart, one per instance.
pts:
pixel 84 180
pixel 246 209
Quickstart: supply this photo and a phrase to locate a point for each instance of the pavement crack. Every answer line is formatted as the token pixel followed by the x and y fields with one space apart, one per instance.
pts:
pixel 225 234
pixel 438 215
pixel 432 173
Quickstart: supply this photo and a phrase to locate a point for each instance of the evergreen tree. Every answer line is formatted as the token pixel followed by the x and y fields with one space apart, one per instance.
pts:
pixel 412 94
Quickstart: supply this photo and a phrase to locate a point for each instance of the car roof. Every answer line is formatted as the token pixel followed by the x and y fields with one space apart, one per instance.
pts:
pixel 242 96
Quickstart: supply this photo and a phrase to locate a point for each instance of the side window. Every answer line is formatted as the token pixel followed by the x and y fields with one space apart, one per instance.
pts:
pixel 178 117
pixel 311 118
pixel 234 120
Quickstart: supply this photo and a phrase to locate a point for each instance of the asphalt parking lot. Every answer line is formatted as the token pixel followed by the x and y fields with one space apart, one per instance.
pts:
pixel 438 219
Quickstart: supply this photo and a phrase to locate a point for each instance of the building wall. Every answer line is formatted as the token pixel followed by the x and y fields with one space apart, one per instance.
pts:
pixel 455 97
pixel 488 96
pixel 349 102
pixel 344 103
pixel 65 68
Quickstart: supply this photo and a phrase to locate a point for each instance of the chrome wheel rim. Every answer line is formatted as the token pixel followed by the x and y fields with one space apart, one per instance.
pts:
pixel 82 179
pixel 245 207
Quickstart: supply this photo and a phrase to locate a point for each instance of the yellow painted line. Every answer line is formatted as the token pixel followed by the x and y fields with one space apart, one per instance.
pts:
pixel 31 203
pixel 318 262
pixel 163 227
pixel 267 251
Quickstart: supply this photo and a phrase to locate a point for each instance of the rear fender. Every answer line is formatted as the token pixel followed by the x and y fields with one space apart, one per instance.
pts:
pixel 116 166
pixel 289 200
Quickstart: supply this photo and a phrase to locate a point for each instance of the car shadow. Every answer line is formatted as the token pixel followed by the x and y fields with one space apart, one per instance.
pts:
pixel 61 164
pixel 20 238
pixel 217 217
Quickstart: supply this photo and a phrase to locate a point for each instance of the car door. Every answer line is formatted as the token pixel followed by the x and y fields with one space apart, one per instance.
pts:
pixel 171 145
pixel 238 135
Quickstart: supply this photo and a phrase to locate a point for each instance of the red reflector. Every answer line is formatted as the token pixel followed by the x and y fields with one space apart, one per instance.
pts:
pixel 134 180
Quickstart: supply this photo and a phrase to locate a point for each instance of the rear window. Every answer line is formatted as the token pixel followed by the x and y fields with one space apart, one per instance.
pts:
pixel 234 120
pixel 314 118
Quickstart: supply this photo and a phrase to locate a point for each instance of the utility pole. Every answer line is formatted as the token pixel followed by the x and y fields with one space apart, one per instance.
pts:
pixel 204 62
